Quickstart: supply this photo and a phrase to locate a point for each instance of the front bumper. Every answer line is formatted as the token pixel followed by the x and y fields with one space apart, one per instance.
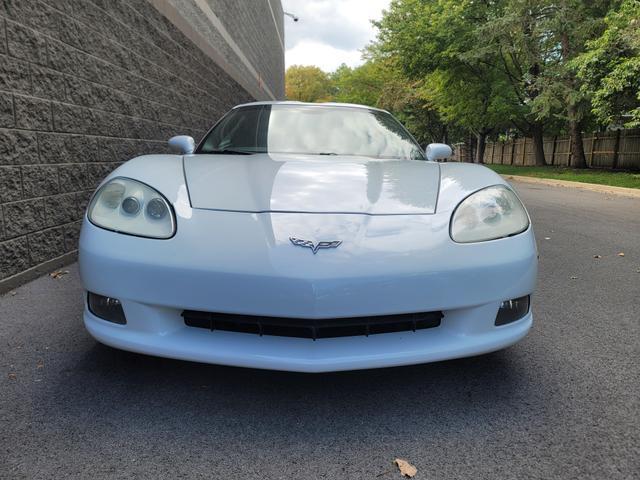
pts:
pixel 451 340
pixel 394 264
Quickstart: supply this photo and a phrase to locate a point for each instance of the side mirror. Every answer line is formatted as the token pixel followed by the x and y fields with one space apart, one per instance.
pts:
pixel 438 151
pixel 182 143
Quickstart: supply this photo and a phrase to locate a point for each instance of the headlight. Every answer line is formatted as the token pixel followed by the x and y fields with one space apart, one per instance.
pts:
pixel 128 206
pixel 493 212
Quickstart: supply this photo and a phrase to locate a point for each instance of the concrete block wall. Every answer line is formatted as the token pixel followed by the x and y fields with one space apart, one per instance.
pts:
pixel 84 86
pixel 247 26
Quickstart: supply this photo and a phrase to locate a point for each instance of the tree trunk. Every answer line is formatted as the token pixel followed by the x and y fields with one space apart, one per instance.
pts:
pixel 538 144
pixel 480 146
pixel 471 148
pixel 578 159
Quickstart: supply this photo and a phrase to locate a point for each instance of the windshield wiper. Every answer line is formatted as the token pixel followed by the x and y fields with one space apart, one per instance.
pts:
pixel 327 153
pixel 229 151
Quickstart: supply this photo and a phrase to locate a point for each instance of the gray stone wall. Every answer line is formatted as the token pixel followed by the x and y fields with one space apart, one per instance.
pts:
pixel 253 27
pixel 247 24
pixel 84 86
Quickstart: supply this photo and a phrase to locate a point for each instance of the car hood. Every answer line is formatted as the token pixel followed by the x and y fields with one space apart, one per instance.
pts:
pixel 311 184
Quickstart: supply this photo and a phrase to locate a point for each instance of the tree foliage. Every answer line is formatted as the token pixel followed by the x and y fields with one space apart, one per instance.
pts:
pixel 439 42
pixel 501 68
pixel 610 68
pixel 406 100
pixel 498 66
pixel 361 85
pixel 307 84
pixel 376 83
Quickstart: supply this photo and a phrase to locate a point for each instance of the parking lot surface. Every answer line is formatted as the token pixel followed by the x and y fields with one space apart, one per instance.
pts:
pixel 563 403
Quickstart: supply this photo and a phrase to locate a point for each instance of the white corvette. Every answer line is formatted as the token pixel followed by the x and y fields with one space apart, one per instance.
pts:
pixel 306 237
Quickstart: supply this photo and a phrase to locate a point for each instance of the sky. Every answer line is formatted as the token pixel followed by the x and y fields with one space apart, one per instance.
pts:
pixel 329 32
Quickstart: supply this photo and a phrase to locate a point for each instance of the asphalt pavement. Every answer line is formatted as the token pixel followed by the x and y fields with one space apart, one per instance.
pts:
pixel 563 403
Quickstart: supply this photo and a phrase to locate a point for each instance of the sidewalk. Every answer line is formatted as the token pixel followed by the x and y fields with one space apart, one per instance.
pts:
pixel 607 189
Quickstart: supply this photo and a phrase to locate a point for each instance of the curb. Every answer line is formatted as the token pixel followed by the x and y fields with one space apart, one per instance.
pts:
pixel 622 191
pixel 13 282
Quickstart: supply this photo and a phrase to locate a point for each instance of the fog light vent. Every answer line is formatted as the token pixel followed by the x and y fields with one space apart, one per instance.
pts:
pixel 106 308
pixel 512 310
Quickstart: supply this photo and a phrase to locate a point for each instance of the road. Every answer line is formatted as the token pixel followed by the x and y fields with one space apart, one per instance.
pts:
pixel 563 403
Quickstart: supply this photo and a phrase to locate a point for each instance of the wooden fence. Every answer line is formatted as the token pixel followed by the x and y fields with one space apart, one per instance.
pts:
pixel 618 149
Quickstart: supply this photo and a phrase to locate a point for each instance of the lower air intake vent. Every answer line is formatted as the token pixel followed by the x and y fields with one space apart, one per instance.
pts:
pixel 306 328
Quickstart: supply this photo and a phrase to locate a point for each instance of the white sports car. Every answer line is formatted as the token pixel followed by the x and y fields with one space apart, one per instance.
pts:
pixel 306 237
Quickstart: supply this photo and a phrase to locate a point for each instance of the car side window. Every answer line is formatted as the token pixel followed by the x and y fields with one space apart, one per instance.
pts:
pixel 238 130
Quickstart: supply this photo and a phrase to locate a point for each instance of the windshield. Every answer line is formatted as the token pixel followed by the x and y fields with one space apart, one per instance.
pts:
pixel 314 130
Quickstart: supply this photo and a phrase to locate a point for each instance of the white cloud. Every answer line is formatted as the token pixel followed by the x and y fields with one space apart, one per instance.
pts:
pixel 330 32
pixel 328 58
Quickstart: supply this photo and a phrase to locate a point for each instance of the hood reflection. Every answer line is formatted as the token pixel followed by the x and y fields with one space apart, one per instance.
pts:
pixel 313 184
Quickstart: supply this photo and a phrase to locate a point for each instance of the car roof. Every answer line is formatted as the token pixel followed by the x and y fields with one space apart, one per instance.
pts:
pixel 319 104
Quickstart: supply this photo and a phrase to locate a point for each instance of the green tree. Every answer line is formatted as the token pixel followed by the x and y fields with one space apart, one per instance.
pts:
pixel 307 84
pixel 479 107
pixel 405 99
pixel 610 68
pixel 566 28
pixel 361 85
pixel 536 66
pixel 431 41
pixel 532 44
pixel 514 42
pixel 380 83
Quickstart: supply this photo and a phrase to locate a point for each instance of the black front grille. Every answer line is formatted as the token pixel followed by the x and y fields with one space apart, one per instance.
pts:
pixel 306 328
